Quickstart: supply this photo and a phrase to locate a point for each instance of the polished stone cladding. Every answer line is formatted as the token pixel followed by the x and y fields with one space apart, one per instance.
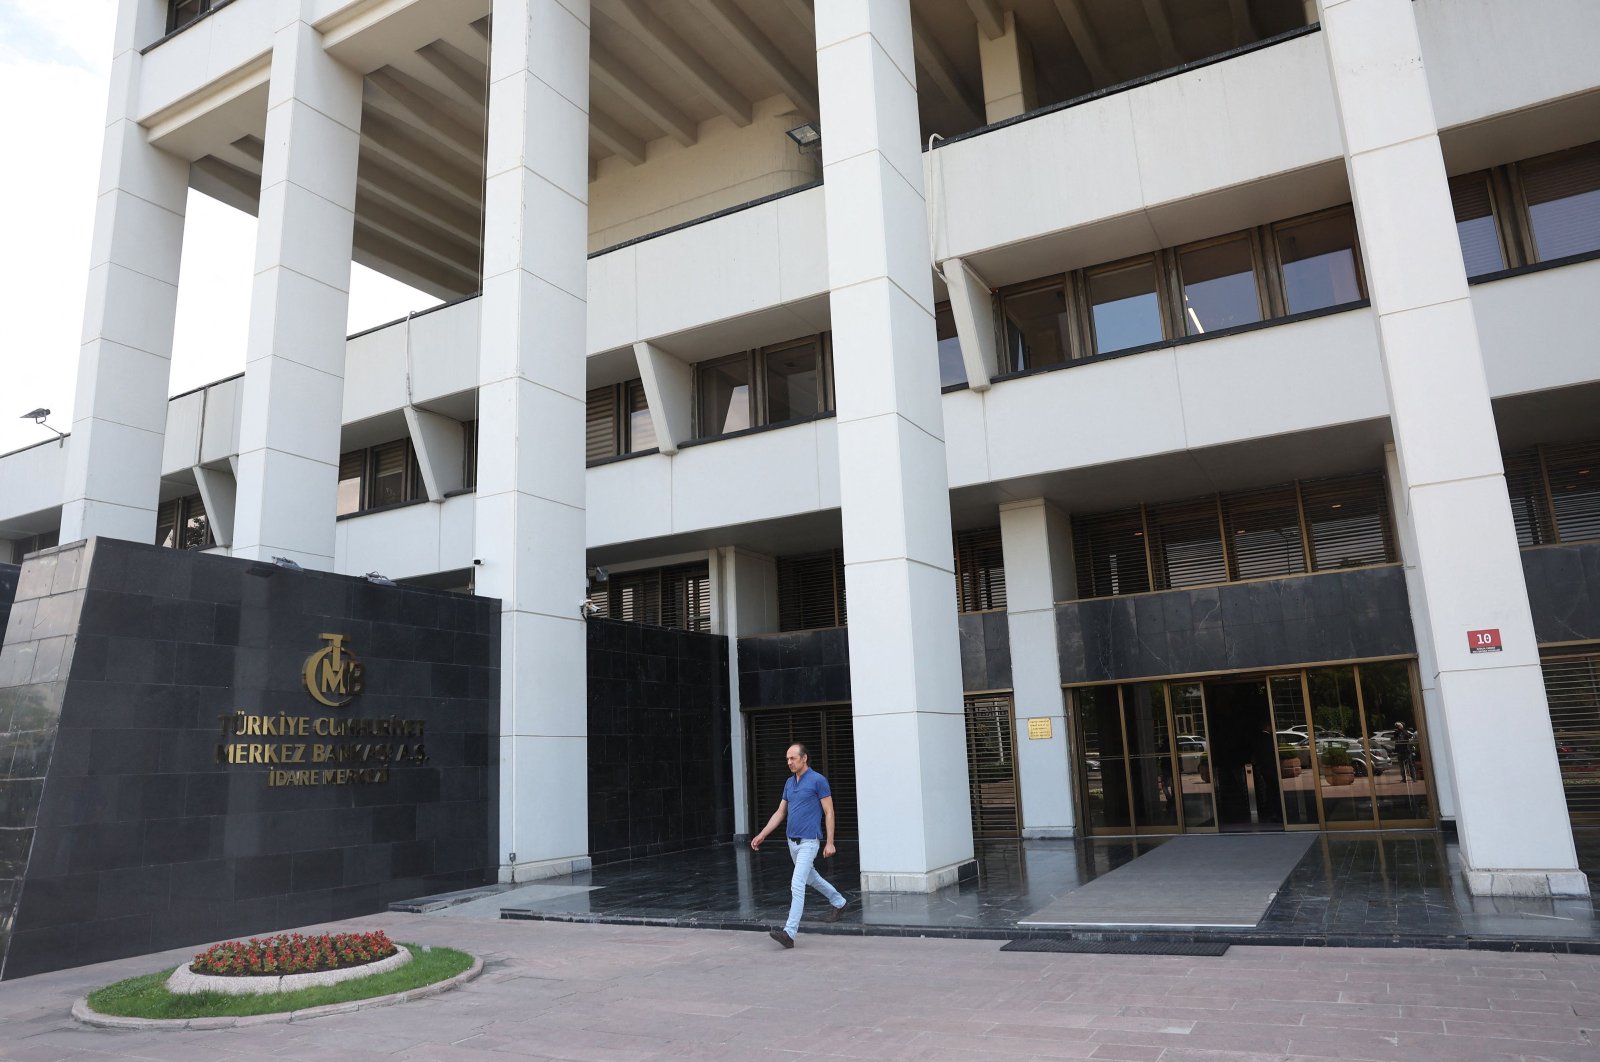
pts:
pixel 1359 614
pixel 126 827
pixel 813 667
pixel 660 778
pixel 8 590
pixel 1564 592
pixel 795 667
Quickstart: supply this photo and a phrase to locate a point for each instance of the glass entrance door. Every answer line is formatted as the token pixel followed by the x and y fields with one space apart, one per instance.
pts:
pixel 1324 748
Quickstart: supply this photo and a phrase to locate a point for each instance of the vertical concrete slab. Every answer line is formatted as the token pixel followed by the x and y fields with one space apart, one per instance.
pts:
pixel 916 833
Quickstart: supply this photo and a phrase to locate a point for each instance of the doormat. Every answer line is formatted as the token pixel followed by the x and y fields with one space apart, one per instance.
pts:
pixel 1218 881
pixel 1114 947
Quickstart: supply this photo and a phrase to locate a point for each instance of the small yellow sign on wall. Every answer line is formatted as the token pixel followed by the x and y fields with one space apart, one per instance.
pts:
pixel 1039 728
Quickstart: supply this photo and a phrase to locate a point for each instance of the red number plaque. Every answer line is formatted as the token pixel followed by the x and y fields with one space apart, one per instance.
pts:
pixel 1484 641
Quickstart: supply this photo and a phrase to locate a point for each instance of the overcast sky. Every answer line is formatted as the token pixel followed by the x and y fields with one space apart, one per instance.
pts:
pixel 54 61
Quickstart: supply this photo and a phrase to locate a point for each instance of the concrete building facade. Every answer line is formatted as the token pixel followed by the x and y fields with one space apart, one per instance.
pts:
pixel 1223 363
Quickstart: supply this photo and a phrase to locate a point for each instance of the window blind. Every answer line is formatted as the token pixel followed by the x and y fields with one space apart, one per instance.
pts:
pixel 1108 550
pixel 1348 519
pixel 811 591
pixel 980 570
pixel 1186 543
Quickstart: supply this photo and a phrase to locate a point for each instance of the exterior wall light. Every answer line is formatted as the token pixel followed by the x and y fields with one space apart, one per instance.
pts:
pixel 808 138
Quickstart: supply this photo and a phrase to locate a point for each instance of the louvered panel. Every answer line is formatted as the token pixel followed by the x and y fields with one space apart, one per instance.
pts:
pixel 1574 475
pixel 1185 544
pixel 838 766
pixel 685 600
pixel 601 424
pixel 811 591
pixel 1572 686
pixel 600 599
pixel 1348 518
pixel 1263 533
pixel 1530 510
pixel 980 570
pixel 167 524
pixel 992 767
pixel 1109 552
pixel 829 735
pixel 636 597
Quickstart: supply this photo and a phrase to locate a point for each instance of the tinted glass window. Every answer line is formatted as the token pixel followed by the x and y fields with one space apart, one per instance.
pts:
pixel 1127 310
pixel 951 368
pixel 794 382
pixel 1036 328
pixel 1219 286
pixel 1563 192
pixel 1319 263
pixel 725 396
pixel 1475 227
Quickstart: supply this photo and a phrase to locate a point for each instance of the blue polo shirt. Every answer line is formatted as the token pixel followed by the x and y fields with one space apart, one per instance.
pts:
pixel 804 797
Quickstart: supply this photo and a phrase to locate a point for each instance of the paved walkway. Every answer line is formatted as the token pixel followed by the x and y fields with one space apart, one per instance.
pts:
pixel 565 991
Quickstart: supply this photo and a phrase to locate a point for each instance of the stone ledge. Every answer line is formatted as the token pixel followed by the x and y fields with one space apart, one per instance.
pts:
pixel 185 982
pixel 82 1012
pixel 1536 884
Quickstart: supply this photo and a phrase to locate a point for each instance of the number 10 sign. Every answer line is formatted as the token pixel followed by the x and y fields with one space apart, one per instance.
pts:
pixel 1484 641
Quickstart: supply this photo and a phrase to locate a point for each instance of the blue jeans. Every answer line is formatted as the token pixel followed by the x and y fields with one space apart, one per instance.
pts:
pixel 804 854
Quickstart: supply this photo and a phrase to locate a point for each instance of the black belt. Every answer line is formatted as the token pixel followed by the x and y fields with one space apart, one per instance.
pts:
pixel 797 840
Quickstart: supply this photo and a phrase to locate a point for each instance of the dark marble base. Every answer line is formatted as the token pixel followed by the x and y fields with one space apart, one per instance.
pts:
pixel 1359 890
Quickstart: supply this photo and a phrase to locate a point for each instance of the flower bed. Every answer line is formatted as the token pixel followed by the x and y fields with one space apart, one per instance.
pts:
pixel 292 953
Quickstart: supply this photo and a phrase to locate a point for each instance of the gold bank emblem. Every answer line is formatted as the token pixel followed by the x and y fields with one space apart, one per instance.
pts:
pixel 333 675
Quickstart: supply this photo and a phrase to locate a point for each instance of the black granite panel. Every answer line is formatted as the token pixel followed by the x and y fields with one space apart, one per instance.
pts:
pixel 1564 591
pixel 795 667
pixel 1347 615
pixel 659 756
pixel 127 674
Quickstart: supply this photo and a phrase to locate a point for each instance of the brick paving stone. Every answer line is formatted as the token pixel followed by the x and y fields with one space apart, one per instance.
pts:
pixel 560 991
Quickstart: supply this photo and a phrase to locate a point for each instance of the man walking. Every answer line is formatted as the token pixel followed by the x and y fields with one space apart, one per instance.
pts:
pixel 808 803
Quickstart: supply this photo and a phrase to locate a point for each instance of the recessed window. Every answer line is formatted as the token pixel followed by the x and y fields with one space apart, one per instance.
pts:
pixel 952 369
pixel 678 597
pixel 794 381
pixel 21 547
pixel 811 591
pixel 182 12
pixel 1125 303
pixel 378 476
pixel 980 570
pixel 1219 285
pixel 777 384
pixel 1475 224
pixel 1036 327
pixel 1563 196
pixel 1318 258
pixel 1555 493
pixel 617 421
pixel 182 524
pixel 725 396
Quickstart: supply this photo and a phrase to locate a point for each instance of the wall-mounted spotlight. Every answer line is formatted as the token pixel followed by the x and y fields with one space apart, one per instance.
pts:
pixel 808 138
pixel 38 417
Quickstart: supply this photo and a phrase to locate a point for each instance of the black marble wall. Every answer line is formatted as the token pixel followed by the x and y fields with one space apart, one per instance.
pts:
pixel 660 765
pixel 1281 622
pixel 8 591
pixel 1564 591
pixel 795 667
pixel 813 667
pixel 985 650
pixel 123 830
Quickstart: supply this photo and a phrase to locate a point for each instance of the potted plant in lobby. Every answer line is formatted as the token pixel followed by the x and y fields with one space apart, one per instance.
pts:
pixel 1336 766
pixel 1203 767
pixel 1288 761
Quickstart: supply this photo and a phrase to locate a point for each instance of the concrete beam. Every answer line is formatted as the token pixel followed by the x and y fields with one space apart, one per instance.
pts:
pixel 641 21
pixel 609 71
pixel 431 113
pixel 943 73
pixel 747 37
pixel 972 305
pixel 1086 41
pixel 1156 12
pixel 669 390
pixel 991 19
pixel 466 74
pixel 613 137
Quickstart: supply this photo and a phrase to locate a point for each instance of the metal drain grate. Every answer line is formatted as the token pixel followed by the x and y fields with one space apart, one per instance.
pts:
pixel 1114 947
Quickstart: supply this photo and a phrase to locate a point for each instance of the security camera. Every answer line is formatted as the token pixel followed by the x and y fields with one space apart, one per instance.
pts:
pixel 588 609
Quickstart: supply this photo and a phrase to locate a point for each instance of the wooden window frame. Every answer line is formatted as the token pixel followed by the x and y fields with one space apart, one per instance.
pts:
pixel 1277 289
pixel 755 362
pixel 411 486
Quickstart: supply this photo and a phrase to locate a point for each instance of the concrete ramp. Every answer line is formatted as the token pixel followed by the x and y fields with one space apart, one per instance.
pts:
pixel 1189 882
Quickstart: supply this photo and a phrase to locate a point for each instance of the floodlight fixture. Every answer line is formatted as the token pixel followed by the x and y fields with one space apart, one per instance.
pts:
pixel 808 137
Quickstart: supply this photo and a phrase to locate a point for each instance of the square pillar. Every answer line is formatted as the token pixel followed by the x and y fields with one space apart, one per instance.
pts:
pixel 529 529
pixel 299 298
pixel 1469 569
pixel 905 676
pixel 119 417
pixel 745 587
pixel 1036 539
pixel 1007 65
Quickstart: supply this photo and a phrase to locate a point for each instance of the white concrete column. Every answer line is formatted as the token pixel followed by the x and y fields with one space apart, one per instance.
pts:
pixel 745 586
pixel 299 298
pixel 1036 539
pixel 905 675
pixel 1470 571
pixel 530 495
pixel 119 415
pixel 1444 784
pixel 1007 65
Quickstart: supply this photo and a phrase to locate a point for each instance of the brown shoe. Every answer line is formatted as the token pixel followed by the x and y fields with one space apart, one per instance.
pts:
pixel 833 914
pixel 782 937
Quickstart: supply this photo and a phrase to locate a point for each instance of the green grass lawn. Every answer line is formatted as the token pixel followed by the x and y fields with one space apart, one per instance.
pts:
pixel 148 997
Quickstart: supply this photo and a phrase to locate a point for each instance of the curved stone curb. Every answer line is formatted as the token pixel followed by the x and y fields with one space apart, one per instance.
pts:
pixel 185 982
pixel 86 1016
